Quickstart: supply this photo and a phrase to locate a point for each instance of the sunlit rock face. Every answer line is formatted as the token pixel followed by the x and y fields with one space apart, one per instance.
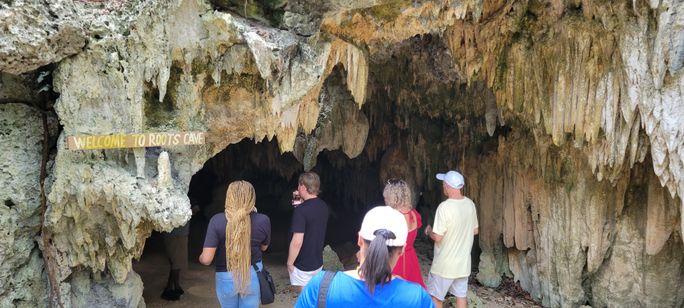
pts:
pixel 38 33
pixel 564 116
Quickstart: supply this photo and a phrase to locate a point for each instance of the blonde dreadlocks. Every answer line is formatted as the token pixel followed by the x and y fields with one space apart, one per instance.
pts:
pixel 240 200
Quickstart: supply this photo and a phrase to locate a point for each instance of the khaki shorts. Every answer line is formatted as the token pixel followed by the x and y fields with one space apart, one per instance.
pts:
pixel 177 251
pixel 438 286
pixel 301 278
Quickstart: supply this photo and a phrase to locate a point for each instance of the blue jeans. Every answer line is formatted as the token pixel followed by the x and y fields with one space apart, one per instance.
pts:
pixel 227 293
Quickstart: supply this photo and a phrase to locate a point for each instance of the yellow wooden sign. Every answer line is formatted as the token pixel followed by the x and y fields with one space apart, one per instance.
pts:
pixel 134 140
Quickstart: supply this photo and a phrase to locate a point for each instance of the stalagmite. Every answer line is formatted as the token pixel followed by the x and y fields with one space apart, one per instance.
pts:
pixel 139 154
pixel 164 180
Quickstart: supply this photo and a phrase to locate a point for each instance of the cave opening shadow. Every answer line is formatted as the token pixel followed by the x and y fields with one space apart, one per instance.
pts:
pixel 349 186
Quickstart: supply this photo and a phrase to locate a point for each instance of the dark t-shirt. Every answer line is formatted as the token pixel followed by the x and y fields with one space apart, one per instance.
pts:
pixel 216 237
pixel 310 218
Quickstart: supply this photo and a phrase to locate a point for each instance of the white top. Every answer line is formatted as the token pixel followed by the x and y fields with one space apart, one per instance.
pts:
pixel 455 220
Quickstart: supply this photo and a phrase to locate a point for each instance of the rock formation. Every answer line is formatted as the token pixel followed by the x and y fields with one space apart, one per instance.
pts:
pixel 21 266
pixel 565 117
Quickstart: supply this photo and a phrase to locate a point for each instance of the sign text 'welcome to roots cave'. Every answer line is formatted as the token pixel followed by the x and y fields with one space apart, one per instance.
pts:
pixel 134 140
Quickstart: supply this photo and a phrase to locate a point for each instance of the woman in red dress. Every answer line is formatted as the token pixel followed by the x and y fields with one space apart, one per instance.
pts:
pixel 398 195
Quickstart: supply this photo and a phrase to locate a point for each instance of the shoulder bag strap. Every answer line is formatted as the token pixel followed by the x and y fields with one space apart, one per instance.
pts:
pixel 323 288
pixel 256 269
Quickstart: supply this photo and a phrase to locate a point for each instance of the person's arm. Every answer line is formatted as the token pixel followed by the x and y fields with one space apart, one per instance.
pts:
pixel 267 231
pixel 207 255
pixel 476 231
pixel 210 244
pixel 440 228
pixel 298 228
pixel 434 236
pixel 295 247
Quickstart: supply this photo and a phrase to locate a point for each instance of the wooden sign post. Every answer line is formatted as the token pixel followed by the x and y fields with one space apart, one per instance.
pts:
pixel 134 140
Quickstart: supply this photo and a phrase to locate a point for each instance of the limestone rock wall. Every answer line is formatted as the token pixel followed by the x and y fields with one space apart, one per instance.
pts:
pixel 180 66
pixel 593 73
pixel 38 33
pixel 557 202
pixel 88 291
pixel 22 282
pixel 597 71
pixel 570 239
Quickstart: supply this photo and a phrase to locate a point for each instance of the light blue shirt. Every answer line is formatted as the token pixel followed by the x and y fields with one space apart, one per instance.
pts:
pixel 346 291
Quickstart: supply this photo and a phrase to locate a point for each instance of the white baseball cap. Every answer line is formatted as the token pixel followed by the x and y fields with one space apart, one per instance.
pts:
pixel 452 178
pixel 385 217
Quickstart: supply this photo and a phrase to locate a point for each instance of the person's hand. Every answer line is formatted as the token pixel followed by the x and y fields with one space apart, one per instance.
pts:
pixel 290 268
pixel 428 230
pixel 296 198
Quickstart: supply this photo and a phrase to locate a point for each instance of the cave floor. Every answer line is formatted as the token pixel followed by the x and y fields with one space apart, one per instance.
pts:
pixel 198 282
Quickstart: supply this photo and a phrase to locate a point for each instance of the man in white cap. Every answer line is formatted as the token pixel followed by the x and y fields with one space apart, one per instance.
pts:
pixel 454 231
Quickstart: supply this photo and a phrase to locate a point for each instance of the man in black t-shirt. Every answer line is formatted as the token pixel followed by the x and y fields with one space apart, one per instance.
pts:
pixel 309 222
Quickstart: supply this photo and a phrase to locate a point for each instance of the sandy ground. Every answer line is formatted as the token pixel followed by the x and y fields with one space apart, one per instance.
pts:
pixel 198 280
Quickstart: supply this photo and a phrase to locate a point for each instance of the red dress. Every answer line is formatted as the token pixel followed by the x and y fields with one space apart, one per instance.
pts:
pixel 407 266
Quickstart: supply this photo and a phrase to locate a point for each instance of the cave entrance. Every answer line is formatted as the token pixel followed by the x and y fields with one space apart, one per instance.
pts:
pixel 411 128
pixel 349 186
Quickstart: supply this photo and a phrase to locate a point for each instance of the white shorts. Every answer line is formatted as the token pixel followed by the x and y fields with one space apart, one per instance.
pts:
pixel 301 278
pixel 438 286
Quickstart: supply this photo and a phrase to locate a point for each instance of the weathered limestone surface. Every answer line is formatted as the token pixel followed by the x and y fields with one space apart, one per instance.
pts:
pixel 569 238
pixel 182 67
pixel 340 124
pixel 591 71
pixel 21 268
pixel 599 81
pixel 564 115
pixel 600 85
pixel 36 33
pixel 548 217
pixel 87 291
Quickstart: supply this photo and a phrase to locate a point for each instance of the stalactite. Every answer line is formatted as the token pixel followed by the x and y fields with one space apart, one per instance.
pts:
pixel 587 85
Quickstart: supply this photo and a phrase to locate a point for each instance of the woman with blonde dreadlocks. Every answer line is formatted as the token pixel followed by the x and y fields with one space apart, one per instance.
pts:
pixel 236 240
